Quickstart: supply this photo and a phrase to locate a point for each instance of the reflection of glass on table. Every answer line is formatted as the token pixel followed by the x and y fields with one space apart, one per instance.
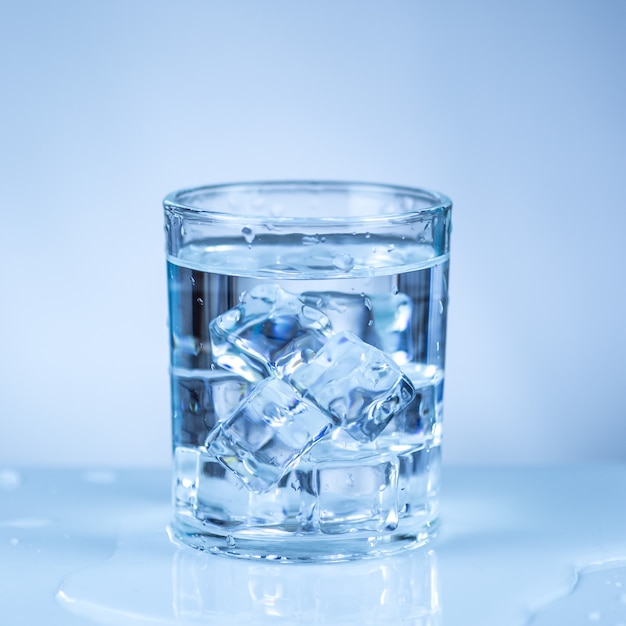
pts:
pixel 401 589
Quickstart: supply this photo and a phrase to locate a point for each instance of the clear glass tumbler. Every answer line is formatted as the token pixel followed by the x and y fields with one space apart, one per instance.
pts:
pixel 307 334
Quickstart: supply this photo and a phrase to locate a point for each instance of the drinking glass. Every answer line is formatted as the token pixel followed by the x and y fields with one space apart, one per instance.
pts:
pixel 307 333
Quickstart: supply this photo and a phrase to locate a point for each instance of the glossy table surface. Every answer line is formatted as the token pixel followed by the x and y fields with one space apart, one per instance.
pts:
pixel 540 547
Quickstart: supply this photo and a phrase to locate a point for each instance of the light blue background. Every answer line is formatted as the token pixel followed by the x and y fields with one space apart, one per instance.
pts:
pixel 514 109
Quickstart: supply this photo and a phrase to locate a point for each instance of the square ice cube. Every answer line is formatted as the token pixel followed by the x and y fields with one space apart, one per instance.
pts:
pixel 221 498
pixel 420 421
pixel 266 333
pixel 227 392
pixel 186 468
pixel 418 481
pixel 358 495
pixel 267 434
pixel 346 311
pixel 199 402
pixel 356 383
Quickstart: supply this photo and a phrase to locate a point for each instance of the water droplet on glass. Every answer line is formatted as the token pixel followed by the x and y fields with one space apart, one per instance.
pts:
pixel 343 262
pixel 182 230
pixel 367 235
pixel 307 355
pixel 230 541
pixel 248 234
pixel 390 248
pixel 200 301
pixel 440 306
pixel 308 240
pixel 370 323
pixel 192 280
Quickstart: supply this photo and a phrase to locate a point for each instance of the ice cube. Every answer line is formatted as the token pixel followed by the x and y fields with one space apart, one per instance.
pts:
pixel 199 402
pixel 346 311
pixel 222 499
pixel 420 421
pixel 186 467
pixel 267 434
pixel 267 333
pixel 392 325
pixel 227 392
pixel 418 481
pixel 356 383
pixel 358 494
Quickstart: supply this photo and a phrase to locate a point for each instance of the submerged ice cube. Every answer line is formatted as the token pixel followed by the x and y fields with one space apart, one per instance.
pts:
pixel 267 434
pixel 358 494
pixel 199 402
pixel 346 311
pixel 227 393
pixel 267 333
pixel 392 325
pixel 356 383
pixel 186 467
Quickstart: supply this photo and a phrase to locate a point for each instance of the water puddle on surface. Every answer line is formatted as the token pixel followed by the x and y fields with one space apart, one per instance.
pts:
pixel 9 479
pixel 597 598
pixel 150 580
pixel 100 477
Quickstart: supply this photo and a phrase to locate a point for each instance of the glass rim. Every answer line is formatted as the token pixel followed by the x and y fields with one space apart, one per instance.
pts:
pixel 437 202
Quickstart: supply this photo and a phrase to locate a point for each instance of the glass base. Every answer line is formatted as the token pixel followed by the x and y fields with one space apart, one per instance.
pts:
pixel 317 548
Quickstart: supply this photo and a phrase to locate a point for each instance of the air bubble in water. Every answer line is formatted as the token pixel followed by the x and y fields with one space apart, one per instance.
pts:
pixel 248 234
pixel 343 262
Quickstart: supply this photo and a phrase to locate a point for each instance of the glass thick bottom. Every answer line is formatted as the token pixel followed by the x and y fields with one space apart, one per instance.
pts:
pixel 303 548
pixel 340 509
pixel 334 509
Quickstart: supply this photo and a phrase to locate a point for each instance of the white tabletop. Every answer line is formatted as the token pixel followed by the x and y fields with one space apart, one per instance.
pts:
pixel 543 547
